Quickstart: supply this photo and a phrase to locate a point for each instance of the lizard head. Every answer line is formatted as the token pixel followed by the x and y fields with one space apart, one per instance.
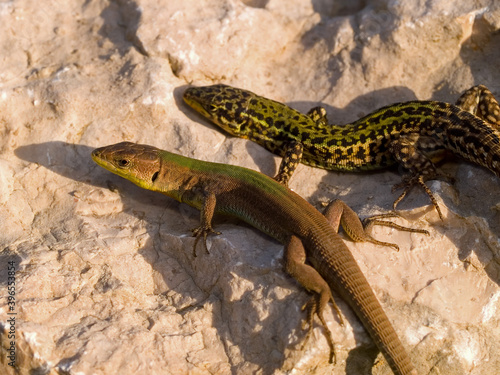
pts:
pixel 225 106
pixel 137 163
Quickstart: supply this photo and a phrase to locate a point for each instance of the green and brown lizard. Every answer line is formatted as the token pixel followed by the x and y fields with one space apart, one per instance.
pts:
pixel 276 210
pixel 410 134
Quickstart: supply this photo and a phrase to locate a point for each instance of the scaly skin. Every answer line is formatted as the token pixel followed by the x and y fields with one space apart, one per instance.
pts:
pixel 404 133
pixel 276 210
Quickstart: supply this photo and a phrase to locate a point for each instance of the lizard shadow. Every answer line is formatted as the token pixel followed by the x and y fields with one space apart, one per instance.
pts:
pixel 121 22
pixel 365 20
pixel 237 319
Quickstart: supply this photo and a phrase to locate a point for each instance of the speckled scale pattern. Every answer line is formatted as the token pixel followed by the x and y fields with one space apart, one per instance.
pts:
pixel 410 134
pixel 366 143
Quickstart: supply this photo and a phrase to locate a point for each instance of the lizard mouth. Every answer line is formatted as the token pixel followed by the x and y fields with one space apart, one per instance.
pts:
pixel 200 102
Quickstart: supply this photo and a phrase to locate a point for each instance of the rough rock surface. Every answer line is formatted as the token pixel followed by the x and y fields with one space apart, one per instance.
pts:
pixel 105 278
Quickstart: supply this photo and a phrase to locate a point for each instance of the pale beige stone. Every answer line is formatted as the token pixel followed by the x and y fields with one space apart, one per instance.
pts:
pixel 106 281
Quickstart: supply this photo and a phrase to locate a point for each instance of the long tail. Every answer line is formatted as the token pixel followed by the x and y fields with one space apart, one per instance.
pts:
pixel 340 270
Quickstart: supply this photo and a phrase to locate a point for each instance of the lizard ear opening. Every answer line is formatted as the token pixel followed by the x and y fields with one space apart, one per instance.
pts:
pixel 155 176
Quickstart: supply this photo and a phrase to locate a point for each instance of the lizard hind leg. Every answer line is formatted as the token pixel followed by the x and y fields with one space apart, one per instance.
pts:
pixel 408 184
pixel 479 101
pixel 309 278
pixel 410 152
pixel 339 213
pixel 315 306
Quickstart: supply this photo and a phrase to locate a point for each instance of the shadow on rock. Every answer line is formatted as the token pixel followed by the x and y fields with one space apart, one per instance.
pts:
pixel 195 282
pixel 75 162
pixel 121 21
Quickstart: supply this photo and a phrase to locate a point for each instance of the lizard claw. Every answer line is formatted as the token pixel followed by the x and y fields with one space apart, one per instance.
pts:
pixel 416 180
pixel 200 232
pixel 369 222
pixel 313 306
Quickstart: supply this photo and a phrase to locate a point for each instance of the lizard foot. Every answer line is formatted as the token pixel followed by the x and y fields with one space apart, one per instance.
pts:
pixel 408 184
pixel 338 213
pixel 199 232
pixel 314 307
pixel 369 222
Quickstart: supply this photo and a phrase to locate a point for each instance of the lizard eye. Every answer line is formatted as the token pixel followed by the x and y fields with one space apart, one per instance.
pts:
pixel 123 162
pixel 155 176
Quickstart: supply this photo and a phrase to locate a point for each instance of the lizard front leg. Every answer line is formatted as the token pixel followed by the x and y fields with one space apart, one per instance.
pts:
pixel 291 159
pixel 294 150
pixel 206 215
